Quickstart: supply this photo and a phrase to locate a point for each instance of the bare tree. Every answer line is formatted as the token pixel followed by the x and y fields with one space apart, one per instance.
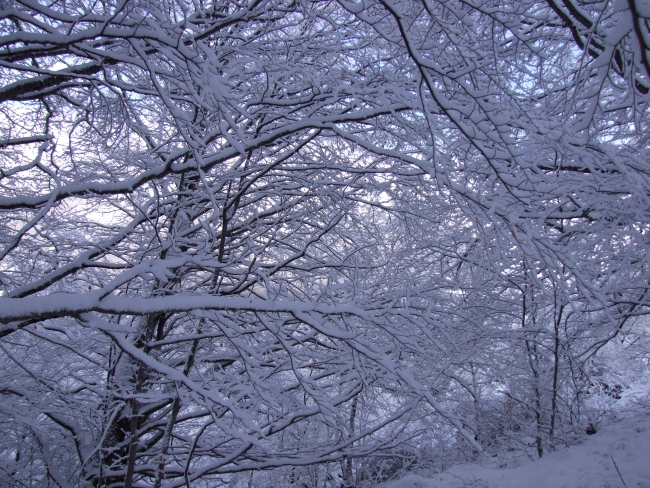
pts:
pixel 266 235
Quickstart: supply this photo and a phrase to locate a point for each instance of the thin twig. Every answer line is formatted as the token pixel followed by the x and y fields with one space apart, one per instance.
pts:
pixel 618 471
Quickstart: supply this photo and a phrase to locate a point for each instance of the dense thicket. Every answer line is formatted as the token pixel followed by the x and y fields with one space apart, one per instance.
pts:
pixel 311 243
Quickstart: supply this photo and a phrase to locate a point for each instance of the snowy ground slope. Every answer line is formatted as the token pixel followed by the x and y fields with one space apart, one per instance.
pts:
pixel 618 455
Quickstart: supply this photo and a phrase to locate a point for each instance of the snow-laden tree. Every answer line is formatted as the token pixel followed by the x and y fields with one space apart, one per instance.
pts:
pixel 267 235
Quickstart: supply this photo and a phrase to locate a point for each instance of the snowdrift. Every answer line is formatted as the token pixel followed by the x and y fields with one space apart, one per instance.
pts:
pixel 617 456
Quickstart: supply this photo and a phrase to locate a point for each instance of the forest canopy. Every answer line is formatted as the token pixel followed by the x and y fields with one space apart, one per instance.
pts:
pixel 313 243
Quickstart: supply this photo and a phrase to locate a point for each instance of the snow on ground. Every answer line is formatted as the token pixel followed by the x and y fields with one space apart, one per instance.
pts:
pixel 617 456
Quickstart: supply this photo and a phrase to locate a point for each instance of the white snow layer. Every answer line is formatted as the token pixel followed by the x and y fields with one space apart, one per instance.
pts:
pixel 617 456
